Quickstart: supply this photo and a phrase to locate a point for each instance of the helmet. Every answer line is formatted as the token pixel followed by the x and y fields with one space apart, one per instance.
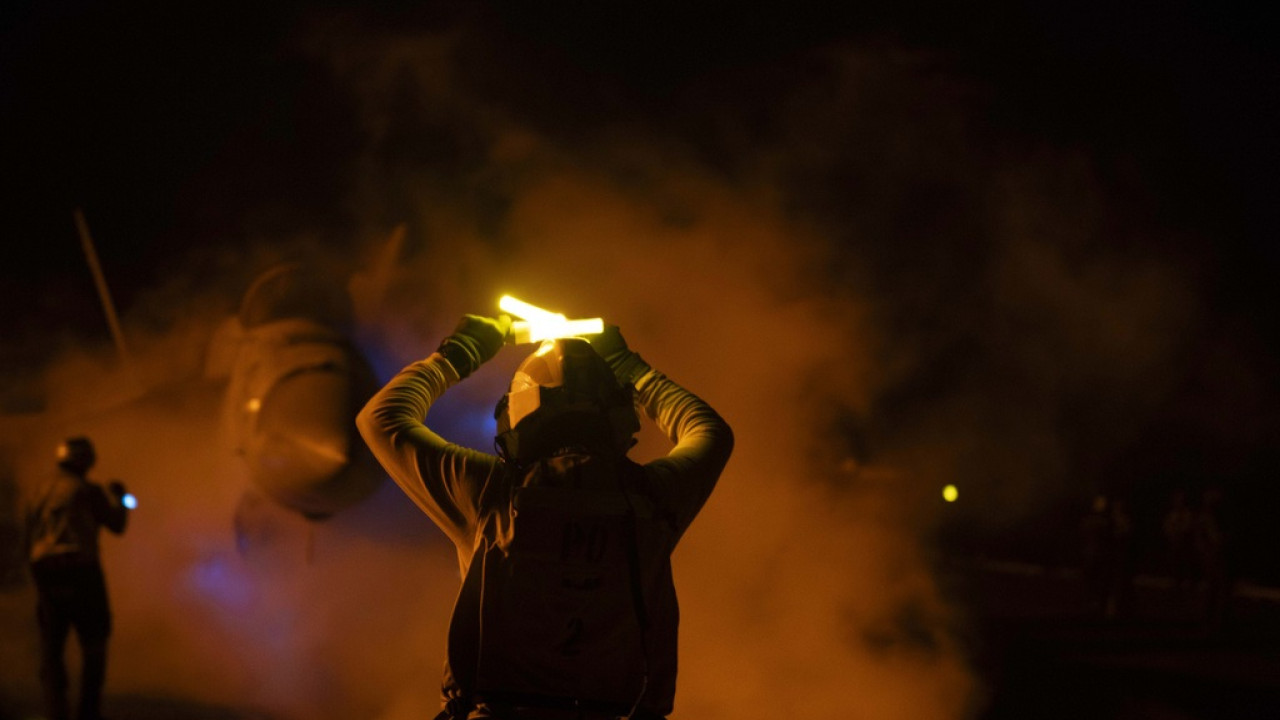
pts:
pixel 76 454
pixel 564 395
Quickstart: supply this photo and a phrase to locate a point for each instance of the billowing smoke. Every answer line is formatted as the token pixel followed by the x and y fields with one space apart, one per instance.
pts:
pixel 877 296
pixel 220 602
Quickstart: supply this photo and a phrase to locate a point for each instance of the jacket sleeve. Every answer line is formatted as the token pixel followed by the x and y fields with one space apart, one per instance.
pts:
pixel 442 478
pixel 703 443
pixel 109 513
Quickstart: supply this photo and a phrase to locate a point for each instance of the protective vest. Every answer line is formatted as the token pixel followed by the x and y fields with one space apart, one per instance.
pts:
pixel 569 598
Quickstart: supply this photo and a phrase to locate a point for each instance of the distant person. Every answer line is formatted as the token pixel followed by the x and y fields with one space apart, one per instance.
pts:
pixel 567 608
pixel 62 522
pixel 1124 560
pixel 1097 555
pixel 1177 526
pixel 1211 542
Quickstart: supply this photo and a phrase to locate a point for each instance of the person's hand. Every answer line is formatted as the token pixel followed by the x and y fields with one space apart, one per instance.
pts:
pixel 474 342
pixel 627 366
pixel 608 342
pixel 117 488
pixel 488 333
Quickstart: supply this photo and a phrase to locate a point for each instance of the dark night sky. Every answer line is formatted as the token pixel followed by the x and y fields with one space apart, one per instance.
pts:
pixel 171 125
pixel 178 129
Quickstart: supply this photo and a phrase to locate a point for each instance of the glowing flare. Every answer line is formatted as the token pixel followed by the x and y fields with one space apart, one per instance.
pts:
pixel 522 309
pixel 129 501
pixel 537 324
pixel 950 493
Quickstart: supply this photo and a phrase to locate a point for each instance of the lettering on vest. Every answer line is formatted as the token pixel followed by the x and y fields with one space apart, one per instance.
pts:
pixel 560 607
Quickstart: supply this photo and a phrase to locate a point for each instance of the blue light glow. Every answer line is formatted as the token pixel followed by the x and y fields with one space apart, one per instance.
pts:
pixel 216 579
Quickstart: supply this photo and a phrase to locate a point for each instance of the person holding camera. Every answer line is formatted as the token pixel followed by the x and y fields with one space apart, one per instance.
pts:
pixel 62 524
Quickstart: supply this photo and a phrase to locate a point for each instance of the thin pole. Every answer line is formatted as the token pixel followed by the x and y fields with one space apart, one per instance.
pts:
pixel 103 293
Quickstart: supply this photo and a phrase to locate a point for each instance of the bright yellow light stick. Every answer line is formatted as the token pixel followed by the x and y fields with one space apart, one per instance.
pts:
pixel 522 309
pixel 538 324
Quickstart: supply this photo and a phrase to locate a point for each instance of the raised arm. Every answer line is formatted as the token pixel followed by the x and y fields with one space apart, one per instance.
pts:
pixel 703 440
pixel 444 479
pixel 113 514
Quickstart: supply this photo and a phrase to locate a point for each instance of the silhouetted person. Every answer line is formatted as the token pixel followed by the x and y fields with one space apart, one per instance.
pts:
pixel 62 522
pixel 1177 525
pixel 1097 554
pixel 1107 533
pixel 567 607
pixel 1124 559
pixel 1211 542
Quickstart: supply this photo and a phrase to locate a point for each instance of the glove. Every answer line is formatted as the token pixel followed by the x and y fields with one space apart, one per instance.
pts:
pixel 627 366
pixel 474 342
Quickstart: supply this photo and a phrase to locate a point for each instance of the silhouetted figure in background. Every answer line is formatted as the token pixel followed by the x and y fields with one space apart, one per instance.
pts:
pixel 1124 560
pixel 62 521
pixel 1107 534
pixel 1211 543
pixel 1097 554
pixel 567 608
pixel 1176 527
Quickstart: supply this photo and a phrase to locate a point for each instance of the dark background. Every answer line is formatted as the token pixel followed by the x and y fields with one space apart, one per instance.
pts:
pixel 142 113
pixel 185 132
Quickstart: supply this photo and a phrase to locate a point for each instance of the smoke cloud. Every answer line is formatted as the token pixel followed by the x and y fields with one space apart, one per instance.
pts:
pixel 879 297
